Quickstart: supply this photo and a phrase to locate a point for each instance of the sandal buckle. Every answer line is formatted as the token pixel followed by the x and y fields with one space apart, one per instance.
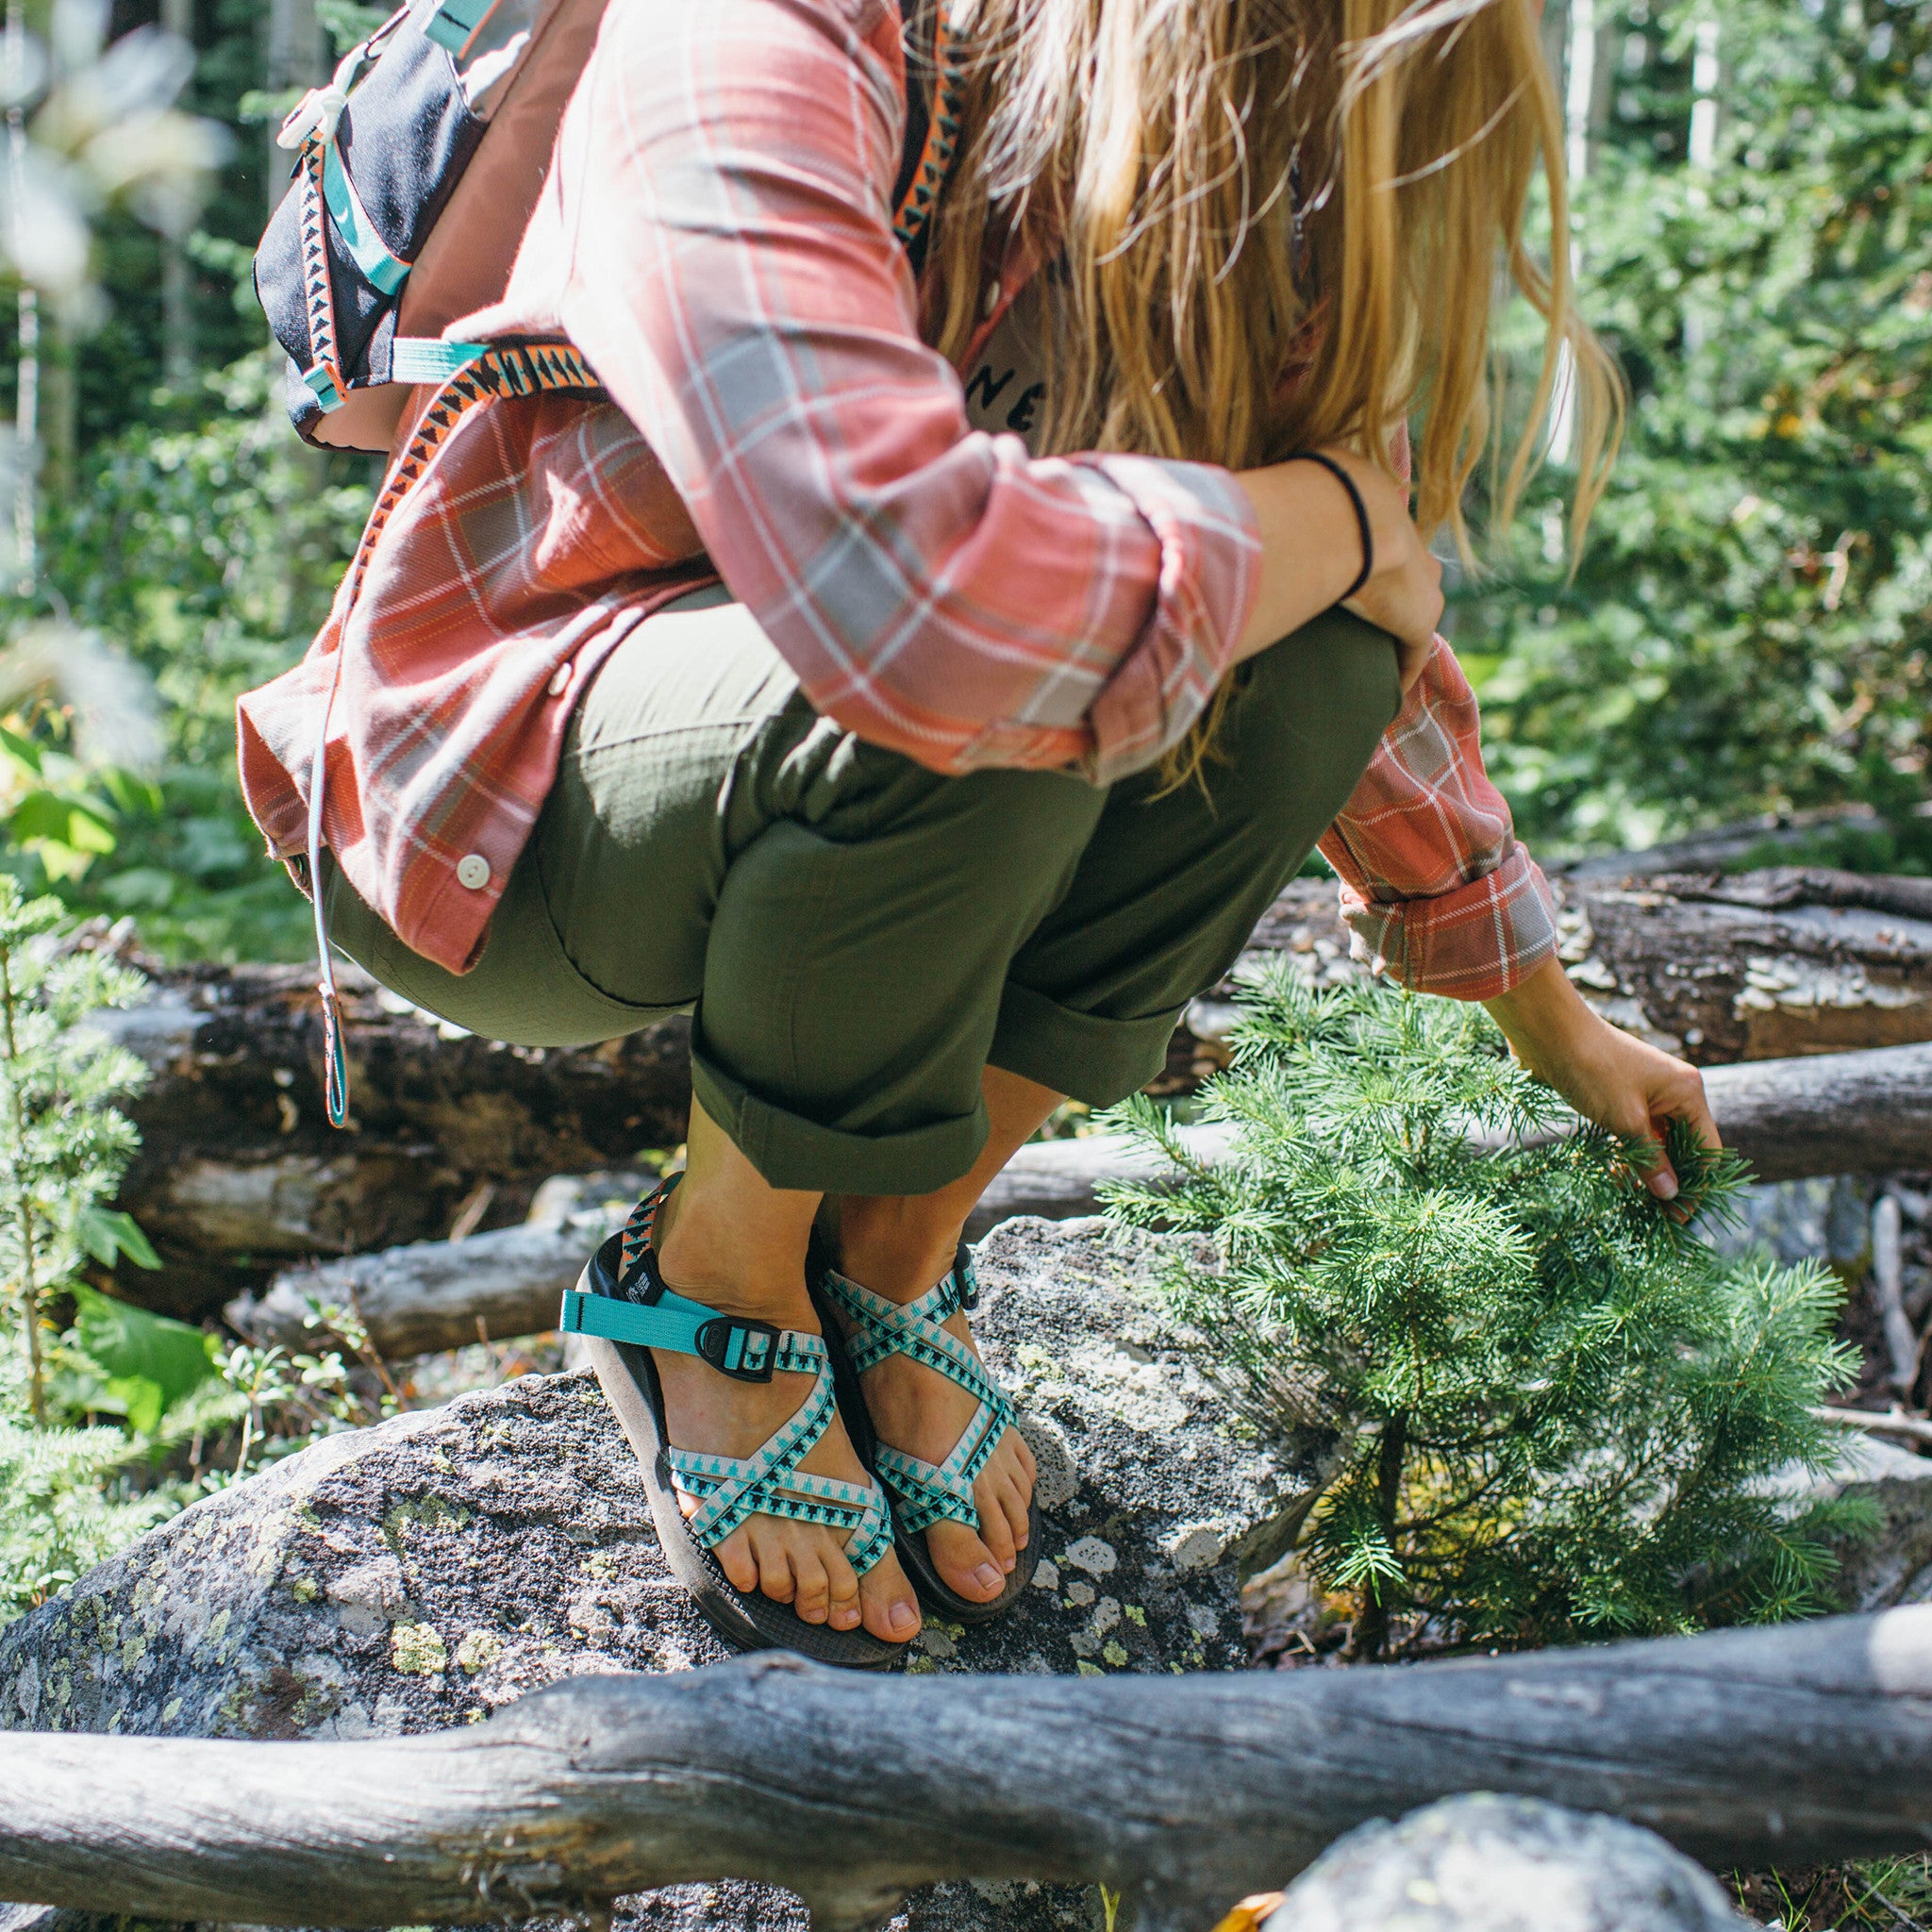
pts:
pixel 744 1349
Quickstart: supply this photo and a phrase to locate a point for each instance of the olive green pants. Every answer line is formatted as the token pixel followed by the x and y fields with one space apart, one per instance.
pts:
pixel 860 937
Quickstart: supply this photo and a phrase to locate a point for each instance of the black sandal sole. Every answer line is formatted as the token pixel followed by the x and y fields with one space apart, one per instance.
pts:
pixel 630 1383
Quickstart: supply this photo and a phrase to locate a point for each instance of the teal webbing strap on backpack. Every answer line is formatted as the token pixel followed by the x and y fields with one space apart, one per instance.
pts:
pixel 385 270
pixel 422 359
pixel 455 23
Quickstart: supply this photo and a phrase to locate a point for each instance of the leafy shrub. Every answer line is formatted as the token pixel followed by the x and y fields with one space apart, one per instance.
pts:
pixel 1555 1411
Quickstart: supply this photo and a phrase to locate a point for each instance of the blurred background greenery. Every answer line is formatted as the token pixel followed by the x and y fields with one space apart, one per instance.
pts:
pixel 1747 634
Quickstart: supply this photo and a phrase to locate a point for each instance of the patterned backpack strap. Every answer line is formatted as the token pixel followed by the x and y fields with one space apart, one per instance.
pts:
pixel 929 1491
pixel 646 1313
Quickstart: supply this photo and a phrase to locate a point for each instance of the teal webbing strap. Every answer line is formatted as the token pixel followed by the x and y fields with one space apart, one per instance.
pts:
pixel 455 23
pixel 738 1348
pixel 385 272
pixel 422 359
pixel 323 385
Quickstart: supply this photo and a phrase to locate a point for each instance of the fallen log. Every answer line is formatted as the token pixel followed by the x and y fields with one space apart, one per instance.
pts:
pixel 1836 1113
pixel 1804 1744
pixel 239 1173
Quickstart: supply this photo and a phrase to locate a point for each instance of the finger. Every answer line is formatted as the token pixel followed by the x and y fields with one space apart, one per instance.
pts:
pixel 1694 1107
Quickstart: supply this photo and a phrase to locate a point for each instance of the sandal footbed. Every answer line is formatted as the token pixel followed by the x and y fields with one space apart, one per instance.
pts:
pixel 754 1621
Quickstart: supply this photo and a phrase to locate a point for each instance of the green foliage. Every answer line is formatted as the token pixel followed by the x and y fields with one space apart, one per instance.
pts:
pixel 210 556
pixel 1555 1410
pixel 63 1146
pixel 1751 627
pixel 149 1362
pixel 65 1512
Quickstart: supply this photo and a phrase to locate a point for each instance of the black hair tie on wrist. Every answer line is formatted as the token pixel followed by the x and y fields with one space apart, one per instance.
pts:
pixel 1361 513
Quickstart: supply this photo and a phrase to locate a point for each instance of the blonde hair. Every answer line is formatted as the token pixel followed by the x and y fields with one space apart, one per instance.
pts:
pixel 1276 223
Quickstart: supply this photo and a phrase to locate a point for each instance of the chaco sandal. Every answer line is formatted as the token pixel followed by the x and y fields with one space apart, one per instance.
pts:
pixel 623 1309
pixel 924 1493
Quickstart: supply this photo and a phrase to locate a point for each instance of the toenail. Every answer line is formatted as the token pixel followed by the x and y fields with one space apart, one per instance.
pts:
pixel 1007 1564
pixel 987 1577
pixel 903 1617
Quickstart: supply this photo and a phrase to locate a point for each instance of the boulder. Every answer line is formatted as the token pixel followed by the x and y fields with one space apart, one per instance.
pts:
pixel 420 1574
pixel 1490 1864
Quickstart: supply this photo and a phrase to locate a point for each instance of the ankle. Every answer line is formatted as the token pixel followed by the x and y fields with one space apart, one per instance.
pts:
pixel 712 1255
pixel 896 1246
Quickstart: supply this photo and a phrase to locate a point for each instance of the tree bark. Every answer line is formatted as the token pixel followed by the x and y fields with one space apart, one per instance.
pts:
pixel 1801 1745
pixel 238 1172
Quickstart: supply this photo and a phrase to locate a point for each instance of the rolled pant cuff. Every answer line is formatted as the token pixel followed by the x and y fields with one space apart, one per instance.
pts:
pixel 1086 1057
pixel 793 1152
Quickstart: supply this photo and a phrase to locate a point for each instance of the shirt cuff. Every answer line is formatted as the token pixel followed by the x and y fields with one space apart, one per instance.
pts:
pixel 1208 578
pixel 1477 942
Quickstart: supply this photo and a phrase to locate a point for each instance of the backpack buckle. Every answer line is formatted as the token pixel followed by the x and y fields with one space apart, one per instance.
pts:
pixel 744 1349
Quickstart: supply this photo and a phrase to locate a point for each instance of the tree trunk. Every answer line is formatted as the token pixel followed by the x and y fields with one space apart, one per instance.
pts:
pixel 238 1172
pixel 295 57
pixel 177 272
pixel 1802 1745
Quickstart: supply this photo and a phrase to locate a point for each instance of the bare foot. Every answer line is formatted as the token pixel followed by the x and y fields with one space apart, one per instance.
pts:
pixel 920 1412
pixel 802 1564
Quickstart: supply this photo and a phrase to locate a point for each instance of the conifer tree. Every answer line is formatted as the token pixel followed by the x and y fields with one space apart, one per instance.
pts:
pixel 1554 1408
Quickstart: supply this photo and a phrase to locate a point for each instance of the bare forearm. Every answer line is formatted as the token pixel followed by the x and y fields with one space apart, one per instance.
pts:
pixel 1314 555
pixel 1311 549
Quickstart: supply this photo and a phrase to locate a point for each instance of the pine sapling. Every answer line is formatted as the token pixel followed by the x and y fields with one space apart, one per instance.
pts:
pixel 1557 1412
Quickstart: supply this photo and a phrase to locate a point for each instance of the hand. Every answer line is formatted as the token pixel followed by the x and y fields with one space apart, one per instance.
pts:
pixel 1604 1073
pixel 1311 551
pixel 1403 593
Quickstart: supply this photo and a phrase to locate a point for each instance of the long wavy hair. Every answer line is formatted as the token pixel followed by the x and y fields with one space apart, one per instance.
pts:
pixel 1277 224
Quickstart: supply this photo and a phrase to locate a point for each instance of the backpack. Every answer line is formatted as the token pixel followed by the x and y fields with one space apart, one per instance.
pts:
pixel 418 167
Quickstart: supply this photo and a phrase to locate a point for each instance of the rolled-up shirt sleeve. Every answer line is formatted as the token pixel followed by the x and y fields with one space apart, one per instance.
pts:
pixel 725 172
pixel 1435 887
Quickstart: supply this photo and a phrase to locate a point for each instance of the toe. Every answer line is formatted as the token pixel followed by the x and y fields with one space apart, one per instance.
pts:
pixel 774 1564
pixel 995 1529
pixel 843 1610
pixel 1011 1495
pixel 737 1561
pixel 887 1603
pixel 811 1587
pixel 964 1562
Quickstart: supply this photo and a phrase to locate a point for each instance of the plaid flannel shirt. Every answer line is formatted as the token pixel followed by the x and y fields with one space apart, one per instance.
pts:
pixel 715 237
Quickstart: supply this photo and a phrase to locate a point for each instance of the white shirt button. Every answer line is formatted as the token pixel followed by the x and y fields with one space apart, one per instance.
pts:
pixel 560 679
pixel 473 870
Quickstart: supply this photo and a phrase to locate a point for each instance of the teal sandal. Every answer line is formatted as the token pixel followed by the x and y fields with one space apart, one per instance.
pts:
pixel 623 1309
pixel 923 1493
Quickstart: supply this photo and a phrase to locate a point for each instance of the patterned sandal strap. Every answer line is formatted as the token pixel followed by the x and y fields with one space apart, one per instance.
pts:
pixel 768 1482
pixel 930 1490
